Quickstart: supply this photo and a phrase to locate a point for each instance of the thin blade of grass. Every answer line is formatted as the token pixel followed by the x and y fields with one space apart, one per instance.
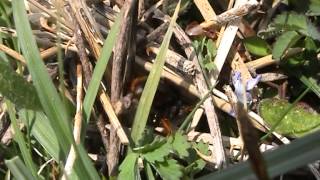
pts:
pixel 26 153
pixel 43 132
pixel 52 104
pixel 100 68
pixel 311 83
pixel 289 157
pixel 18 169
pixel 150 88
pixel 48 96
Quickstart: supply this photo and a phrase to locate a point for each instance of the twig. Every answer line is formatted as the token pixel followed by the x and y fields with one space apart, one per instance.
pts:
pixel 121 49
pixel 227 41
pixel 205 9
pixel 87 67
pixel 13 53
pixel 105 100
pixel 223 28
pixel 87 25
pixel 226 17
pixel 176 61
pixel 77 126
pixel 267 60
pixel 247 133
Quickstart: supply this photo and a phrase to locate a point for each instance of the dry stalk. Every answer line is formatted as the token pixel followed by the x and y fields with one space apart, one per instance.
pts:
pixel 231 15
pixel 203 88
pixel 205 9
pixel 120 64
pixel 226 42
pixel 175 60
pixel 247 133
pixel 77 125
pixel 87 25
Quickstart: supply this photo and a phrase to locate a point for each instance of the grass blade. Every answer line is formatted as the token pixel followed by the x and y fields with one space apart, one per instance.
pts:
pixel 50 100
pixel 26 153
pixel 100 68
pixel 43 132
pixel 18 169
pixel 299 153
pixel 310 83
pixel 150 88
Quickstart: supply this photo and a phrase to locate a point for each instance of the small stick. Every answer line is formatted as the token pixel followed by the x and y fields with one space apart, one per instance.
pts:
pixel 226 43
pixel 223 28
pixel 88 25
pixel 205 9
pixel 176 60
pixel 267 60
pixel 44 54
pixel 122 52
pixel 261 62
pixel 248 134
pixel 196 118
pixel 106 103
pixel 226 17
pixel 77 126
pixel 13 53
pixel 87 67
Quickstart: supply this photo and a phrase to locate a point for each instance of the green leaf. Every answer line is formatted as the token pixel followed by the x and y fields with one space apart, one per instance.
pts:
pixel 158 154
pixel 298 122
pixel 195 167
pixel 151 85
pixel 312 31
pixel 169 169
pixel 291 21
pixel 284 159
pixel 202 147
pixel 25 151
pixel 128 168
pixel 257 46
pixel 43 132
pixel 196 164
pixel 296 22
pixel 211 48
pixel 310 45
pixel 148 170
pixel 47 93
pixel 314 8
pixel 208 63
pixel 16 89
pixel 285 41
pixel 180 144
pixel 18 169
pixel 156 143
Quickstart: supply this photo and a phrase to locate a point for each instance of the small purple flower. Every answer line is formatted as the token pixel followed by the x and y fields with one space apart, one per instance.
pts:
pixel 253 82
pixel 241 91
